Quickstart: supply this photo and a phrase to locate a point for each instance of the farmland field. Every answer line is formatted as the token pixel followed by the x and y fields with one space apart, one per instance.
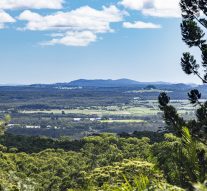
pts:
pixel 142 108
pixel 77 112
pixel 123 121
pixel 133 111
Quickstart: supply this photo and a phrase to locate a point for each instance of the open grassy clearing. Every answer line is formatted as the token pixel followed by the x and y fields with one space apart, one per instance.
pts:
pixel 136 111
pixel 123 121
pixel 80 111
pixel 149 91
pixel 142 108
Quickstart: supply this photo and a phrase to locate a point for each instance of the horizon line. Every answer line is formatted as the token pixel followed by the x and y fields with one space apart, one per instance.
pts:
pixel 51 83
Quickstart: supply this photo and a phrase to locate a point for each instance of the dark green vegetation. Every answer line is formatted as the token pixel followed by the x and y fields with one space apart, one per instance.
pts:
pixel 93 163
pixel 102 162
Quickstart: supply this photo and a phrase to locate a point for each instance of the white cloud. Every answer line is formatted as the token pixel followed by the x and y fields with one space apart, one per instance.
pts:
pixel 156 8
pixel 56 35
pixel 83 18
pixel 140 25
pixel 31 4
pixel 77 27
pixel 134 4
pixel 83 38
pixel 5 18
pixel 161 12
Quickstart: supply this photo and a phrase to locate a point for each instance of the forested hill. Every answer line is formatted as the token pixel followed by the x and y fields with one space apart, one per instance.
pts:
pixel 103 83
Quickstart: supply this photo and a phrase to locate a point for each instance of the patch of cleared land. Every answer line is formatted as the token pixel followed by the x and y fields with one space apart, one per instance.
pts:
pixel 137 108
pixel 137 111
pixel 123 121
pixel 148 91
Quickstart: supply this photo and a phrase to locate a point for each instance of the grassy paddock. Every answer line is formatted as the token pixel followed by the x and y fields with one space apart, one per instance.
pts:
pixel 123 121
pixel 142 108
pixel 136 111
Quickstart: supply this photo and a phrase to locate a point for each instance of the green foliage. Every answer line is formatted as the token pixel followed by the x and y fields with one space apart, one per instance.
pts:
pixel 188 150
pixel 47 170
pixel 200 187
pixel 188 64
pixel 194 22
pixel 128 168
pixel 140 183
pixel 56 169
pixel 182 159
pixel 106 162
pixel 194 96
pixel 3 124
pixel 173 120
pixel 192 34
pixel 107 148
pixel 129 175
pixel 189 154
pixel 163 100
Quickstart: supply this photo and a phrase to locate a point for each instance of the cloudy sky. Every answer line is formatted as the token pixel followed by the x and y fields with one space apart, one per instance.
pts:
pixel 46 41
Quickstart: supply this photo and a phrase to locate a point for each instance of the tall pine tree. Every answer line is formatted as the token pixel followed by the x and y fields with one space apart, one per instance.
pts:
pixel 193 28
pixel 193 133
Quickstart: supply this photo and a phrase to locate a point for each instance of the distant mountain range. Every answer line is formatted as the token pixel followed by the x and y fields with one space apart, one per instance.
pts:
pixel 120 83
pixel 106 83
pixel 103 83
pixel 116 83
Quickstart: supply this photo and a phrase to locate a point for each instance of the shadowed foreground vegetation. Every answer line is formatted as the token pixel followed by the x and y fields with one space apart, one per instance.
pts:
pixel 101 162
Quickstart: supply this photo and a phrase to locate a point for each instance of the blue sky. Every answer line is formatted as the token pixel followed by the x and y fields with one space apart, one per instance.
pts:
pixel 60 41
